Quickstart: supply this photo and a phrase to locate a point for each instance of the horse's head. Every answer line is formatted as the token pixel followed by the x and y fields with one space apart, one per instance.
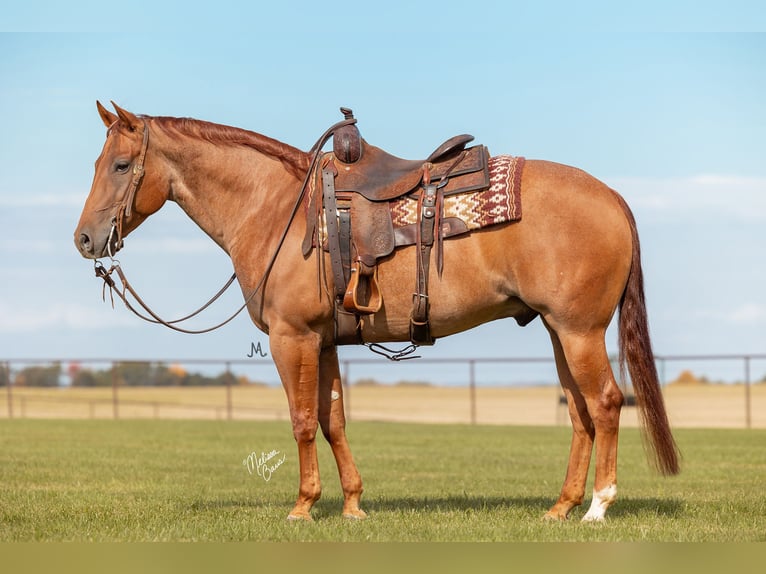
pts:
pixel 121 196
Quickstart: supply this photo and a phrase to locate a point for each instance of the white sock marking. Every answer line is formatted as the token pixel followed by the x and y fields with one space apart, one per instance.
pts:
pixel 601 501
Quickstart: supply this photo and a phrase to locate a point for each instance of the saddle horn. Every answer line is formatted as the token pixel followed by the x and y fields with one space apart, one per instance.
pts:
pixel 347 141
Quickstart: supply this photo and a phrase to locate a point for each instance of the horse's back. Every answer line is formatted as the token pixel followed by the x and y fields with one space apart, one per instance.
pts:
pixel 569 254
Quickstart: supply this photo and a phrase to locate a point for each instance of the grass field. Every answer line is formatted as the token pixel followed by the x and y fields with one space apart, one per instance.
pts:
pixel 147 480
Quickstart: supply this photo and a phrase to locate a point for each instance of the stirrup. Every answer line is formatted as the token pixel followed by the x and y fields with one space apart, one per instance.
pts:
pixel 356 283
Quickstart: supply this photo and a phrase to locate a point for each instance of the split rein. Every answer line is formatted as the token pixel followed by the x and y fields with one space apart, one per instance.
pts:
pixel 124 208
pixel 125 287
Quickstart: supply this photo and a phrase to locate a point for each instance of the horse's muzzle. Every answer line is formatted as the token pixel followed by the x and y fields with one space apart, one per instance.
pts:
pixel 92 247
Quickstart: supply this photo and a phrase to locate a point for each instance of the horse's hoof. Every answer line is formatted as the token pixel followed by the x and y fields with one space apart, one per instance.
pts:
pixel 303 517
pixel 357 514
pixel 552 516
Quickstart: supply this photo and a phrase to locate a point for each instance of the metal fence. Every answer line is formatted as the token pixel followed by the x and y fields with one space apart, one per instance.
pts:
pixel 465 390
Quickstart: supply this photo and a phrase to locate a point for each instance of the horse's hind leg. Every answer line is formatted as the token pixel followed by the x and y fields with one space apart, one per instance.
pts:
pixel 333 422
pixel 595 402
pixel 583 433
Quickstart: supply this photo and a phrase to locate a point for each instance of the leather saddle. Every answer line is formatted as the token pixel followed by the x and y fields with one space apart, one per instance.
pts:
pixel 357 182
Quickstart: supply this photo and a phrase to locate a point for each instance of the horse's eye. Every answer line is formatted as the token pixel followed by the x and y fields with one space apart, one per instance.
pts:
pixel 121 166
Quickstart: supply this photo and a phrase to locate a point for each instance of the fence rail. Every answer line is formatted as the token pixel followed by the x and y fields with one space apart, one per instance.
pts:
pixel 466 390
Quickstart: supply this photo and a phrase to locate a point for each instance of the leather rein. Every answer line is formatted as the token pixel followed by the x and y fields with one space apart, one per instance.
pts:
pixel 124 210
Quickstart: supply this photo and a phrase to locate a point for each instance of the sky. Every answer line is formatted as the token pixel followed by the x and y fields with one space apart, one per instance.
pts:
pixel 664 103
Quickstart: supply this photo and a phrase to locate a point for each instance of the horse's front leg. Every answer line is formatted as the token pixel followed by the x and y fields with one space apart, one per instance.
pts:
pixel 297 359
pixel 332 419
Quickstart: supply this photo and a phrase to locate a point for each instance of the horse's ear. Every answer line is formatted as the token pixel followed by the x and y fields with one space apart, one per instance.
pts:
pixel 130 121
pixel 106 116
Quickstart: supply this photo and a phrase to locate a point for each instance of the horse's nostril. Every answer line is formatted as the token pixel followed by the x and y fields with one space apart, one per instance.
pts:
pixel 84 241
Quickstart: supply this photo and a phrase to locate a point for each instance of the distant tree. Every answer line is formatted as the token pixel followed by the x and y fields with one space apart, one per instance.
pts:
pixel 366 382
pixel 87 378
pixel 163 376
pixel 133 374
pixel 150 374
pixel 197 380
pixel 39 376
pixel 226 378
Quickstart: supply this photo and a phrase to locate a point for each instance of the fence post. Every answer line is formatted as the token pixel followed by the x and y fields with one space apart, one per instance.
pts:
pixel 228 391
pixel 748 411
pixel 9 392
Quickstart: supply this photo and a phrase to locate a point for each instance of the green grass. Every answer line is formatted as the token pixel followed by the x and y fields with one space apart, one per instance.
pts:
pixel 138 480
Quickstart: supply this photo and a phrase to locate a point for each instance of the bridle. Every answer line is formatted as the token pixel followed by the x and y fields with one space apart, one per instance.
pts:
pixel 125 205
pixel 124 210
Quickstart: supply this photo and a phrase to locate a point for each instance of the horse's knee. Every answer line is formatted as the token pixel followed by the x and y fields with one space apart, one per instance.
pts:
pixel 304 428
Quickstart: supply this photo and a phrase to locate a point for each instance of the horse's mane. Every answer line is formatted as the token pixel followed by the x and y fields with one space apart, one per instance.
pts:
pixel 295 160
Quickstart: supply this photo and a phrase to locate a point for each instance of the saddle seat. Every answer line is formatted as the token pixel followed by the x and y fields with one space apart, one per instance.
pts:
pixel 381 176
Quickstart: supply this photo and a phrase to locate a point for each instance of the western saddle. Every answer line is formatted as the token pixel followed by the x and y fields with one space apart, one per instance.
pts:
pixel 358 181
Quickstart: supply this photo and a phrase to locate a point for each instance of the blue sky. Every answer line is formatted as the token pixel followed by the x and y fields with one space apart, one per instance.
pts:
pixel 674 119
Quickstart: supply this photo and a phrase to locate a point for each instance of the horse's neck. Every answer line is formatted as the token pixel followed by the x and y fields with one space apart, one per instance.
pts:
pixel 233 192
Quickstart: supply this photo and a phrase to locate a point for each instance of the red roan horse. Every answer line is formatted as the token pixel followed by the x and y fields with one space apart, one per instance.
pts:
pixel 572 259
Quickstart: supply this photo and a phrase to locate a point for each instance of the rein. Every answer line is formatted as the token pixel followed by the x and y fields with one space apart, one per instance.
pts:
pixel 124 209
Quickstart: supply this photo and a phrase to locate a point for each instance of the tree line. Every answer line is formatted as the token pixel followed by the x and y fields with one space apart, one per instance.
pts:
pixel 123 374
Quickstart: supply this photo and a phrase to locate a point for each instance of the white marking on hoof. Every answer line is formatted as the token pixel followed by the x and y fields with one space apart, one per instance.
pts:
pixel 335 395
pixel 601 501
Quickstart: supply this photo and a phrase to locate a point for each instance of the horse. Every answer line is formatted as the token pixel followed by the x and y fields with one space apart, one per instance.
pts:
pixel 573 259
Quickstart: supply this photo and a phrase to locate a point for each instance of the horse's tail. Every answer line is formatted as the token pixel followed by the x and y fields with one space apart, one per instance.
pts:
pixel 636 353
